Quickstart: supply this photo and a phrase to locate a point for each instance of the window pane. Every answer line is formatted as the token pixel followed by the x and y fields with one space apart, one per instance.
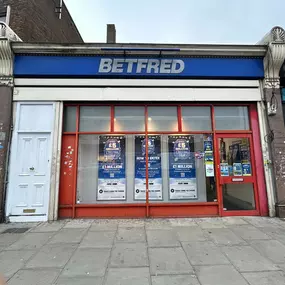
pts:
pixel 184 164
pixel 196 118
pixel 231 118
pixel 238 197
pixel 129 119
pixel 69 120
pixel 235 157
pixel 162 119
pixel 94 119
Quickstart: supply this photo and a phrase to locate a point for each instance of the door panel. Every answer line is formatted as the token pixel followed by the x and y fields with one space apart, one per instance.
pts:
pixel 24 158
pixel 41 156
pixel 236 170
pixel 32 176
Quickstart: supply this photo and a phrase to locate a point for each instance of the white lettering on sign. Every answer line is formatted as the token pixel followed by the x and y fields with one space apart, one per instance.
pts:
pixel 143 65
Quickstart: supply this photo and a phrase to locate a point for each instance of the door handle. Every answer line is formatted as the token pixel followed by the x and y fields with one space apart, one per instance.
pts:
pixel 32 168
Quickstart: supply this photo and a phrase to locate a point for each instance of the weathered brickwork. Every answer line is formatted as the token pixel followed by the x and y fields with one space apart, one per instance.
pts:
pixel 276 124
pixel 36 21
pixel 5 127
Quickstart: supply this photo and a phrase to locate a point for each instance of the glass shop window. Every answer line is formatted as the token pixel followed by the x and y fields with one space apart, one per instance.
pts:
pixel 187 168
pixel 129 118
pixel 231 118
pixel 196 118
pixel 112 169
pixel 95 119
pixel 69 120
pixel 106 169
pixel 162 119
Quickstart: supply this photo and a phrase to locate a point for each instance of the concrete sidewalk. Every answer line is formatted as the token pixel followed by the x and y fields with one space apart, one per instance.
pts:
pixel 210 251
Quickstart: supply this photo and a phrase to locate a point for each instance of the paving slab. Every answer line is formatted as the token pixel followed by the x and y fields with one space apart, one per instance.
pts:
pixel 169 261
pixel 98 239
pixel 162 238
pixel 249 232
pixel 204 253
pixel 129 255
pixel 245 259
pixel 211 223
pixel 12 261
pixel 158 224
pixel 277 233
pixel 78 224
pixel 131 223
pixel 7 239
pixel 264 222
pixel 104 226
pixel 48 227
pixel 184 222
pixel 131 234
pixel 52 255
pixel 272 249
pixel 234 221
pixel 34 277
pixel 128 276
pixel 224 237
pixel 80 281
pixel 175 280
pixel 68 236
pixel 265 278
pixel 31 241
pixel 219 275
pixel 87 262
pixel 190 234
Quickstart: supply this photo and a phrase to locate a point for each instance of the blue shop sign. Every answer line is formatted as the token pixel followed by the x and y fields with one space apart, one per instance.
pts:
pixel 95 66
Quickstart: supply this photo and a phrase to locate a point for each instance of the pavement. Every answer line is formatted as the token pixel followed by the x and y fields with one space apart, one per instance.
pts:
pixel 204 251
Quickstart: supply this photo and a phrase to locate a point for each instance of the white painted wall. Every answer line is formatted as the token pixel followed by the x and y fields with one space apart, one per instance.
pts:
pixel 136 94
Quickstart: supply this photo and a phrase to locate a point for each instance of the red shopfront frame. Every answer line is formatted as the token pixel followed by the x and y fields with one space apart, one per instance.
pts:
pixel 68 208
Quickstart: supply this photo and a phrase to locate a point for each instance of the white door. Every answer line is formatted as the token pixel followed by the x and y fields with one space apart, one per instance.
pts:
pixel 31 175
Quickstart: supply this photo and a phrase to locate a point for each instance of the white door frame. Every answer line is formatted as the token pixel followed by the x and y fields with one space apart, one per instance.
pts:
pixel 14 147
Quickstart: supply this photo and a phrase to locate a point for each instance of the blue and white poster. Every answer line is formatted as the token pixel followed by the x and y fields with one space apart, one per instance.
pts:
pixel 182 172
pixel 154 168
pixel 237 169
pixel 246 169
pixel 112 168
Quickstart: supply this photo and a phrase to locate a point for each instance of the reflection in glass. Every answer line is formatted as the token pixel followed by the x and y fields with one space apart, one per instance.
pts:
pixel 106 169
pixel 238 197
pixel 94 119
pixel 129 118
pixel 69 120
pixel 231 118
pixel 162 119
pixel 187 159
pixel 154 168
pixel 196 118
pixel 235 157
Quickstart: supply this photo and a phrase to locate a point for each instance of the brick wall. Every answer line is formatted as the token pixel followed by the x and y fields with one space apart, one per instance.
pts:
pixel 5 125
pixel 36 21
pixel 276 124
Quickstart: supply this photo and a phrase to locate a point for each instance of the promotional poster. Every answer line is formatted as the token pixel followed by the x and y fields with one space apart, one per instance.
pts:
pixel 182 172
pixel 237 169
pixel 112 173
pixel 154 168
pixel 224 169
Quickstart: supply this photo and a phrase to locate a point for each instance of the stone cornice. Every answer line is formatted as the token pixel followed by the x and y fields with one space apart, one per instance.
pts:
pixel 275 56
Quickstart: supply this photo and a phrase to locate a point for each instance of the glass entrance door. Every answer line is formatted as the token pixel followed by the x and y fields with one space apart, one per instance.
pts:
pixel 237 179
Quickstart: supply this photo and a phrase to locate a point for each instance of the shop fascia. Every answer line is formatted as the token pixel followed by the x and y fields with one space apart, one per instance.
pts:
pixel 133 65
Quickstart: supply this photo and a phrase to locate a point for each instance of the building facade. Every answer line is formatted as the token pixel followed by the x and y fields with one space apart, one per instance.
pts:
pixel 40 20
pixel 142 130
pixel 29 21
pixel 137 131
